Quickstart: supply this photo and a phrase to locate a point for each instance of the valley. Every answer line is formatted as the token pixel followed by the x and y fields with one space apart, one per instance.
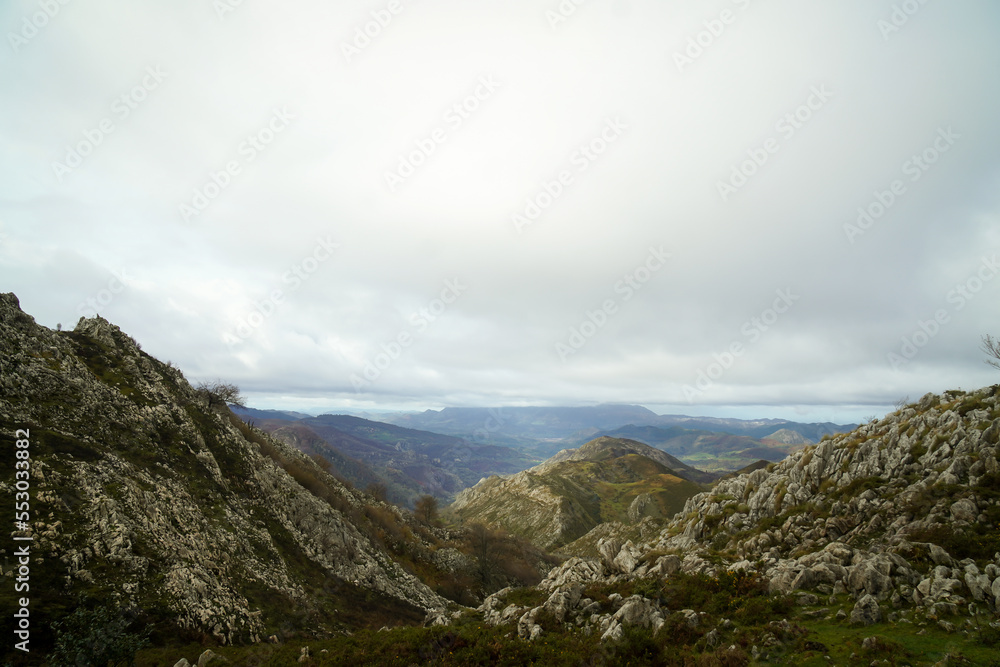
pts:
pixel 191 531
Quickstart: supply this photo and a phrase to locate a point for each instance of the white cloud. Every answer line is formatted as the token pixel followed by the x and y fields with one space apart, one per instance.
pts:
pixel 323 174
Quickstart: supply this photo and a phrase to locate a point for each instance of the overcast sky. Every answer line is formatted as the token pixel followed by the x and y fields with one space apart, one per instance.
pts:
pixel 402 204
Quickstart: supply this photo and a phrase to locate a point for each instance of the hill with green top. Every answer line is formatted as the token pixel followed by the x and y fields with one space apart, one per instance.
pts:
pixel 563 498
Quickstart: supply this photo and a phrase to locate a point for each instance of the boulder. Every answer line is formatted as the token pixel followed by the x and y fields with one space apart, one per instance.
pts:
pixel 564 600
pixel 609 548
pixel 872 577
pixel 627 558
pixel 639 611
pixel 964 510
pixel 979 585
pixel 866 611
pixel 940 556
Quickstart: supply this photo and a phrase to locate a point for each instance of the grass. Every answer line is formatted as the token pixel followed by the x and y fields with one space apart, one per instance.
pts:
pixel 797 641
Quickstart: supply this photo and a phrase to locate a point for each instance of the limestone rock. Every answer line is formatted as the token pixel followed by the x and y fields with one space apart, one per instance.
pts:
pixel 866 611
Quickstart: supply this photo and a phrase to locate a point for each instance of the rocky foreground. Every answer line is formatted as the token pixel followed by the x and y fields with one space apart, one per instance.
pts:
pixel 149 495
pixel 899 516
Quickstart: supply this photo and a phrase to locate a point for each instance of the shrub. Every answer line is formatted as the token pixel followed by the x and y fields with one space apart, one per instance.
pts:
pixel 988 636
pixel 97 637
pixel 880 647
pixel 426 509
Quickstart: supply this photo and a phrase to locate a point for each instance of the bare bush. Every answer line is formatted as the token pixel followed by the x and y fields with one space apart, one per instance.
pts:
pixel 219 393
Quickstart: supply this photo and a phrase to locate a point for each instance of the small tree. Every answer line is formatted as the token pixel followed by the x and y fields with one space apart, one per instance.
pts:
pixel 426 509
pixel 219 393
pixel 378 490
pixel 485 545
pixel 991 346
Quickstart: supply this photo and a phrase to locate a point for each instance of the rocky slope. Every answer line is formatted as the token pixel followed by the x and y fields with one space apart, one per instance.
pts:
pixel 145 494
pixel 900 518
pixel 563 498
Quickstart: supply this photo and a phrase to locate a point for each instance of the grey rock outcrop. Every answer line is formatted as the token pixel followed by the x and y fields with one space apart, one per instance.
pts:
pixel 890 514
pixel 149 496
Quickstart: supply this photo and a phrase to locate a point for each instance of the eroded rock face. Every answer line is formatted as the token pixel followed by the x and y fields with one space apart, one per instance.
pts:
pixel 162 500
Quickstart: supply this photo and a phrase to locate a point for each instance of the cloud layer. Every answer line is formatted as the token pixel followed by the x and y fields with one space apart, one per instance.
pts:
pixel 735 207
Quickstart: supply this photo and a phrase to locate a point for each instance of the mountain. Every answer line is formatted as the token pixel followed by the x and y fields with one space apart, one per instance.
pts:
pixel 531 423
pixel 566 496
pixel 754 428
pixel 253 414
pixel 410 462
pixel 349 469
pixel 615 445
pixel 556 423
pixel 788 437
pixel 890 530
pixel 146 495
pixel 148 503
pixel 709 451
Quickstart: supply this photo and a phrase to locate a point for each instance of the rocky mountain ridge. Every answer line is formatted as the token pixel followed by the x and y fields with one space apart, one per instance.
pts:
pixel 148 495
pixel 900 518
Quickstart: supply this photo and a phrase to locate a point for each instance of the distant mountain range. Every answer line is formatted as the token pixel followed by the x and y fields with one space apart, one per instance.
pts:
pixel 409 462
pixel 560 423
pixel 443 451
